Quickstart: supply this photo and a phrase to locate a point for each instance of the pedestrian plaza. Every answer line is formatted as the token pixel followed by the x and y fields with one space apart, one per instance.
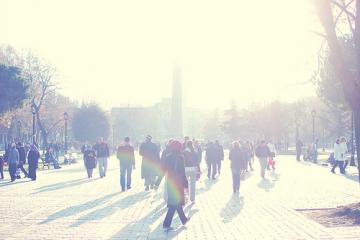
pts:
pixel 65 204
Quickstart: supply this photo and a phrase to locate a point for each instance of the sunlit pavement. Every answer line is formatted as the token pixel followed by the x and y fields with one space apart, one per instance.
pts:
pixel 64 204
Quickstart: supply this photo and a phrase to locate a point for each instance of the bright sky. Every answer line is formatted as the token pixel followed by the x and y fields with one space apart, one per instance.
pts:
pixel 122 52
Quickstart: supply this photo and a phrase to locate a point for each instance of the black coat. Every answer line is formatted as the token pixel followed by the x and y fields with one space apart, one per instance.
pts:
pixel 238 159
pixel 22 155
pixel 89 159
pixel 33 158
pixel 176 180
pixel 211 155
pixel 150 165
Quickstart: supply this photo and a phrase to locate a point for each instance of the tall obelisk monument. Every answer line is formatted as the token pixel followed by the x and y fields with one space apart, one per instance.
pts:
pixel 176 108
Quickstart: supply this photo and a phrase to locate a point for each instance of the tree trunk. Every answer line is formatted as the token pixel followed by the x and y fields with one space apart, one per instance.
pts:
pixel 44 133
pixel 357 137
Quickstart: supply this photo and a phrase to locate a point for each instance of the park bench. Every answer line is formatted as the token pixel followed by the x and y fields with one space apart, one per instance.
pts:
pixel 44 163
pixel 70 158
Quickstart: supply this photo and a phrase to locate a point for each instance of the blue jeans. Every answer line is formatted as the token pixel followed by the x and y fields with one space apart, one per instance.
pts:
pixel 236 179
pixel 125 170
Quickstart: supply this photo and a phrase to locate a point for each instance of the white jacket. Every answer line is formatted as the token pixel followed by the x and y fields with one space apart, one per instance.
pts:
pixel 340 151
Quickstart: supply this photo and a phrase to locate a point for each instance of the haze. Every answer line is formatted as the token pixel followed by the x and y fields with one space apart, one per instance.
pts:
pixel 123 52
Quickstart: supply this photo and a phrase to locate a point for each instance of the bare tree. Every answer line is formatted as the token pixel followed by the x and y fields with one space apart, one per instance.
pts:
pixel 41 76
pixel 330 13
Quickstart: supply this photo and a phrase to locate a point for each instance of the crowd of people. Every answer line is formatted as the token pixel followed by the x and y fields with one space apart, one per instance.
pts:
pixel 177 162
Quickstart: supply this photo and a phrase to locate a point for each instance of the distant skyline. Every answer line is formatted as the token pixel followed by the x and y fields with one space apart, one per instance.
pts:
pixel 123 52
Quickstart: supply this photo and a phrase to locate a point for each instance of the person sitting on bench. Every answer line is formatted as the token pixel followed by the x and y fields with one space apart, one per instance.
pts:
pixel 50 158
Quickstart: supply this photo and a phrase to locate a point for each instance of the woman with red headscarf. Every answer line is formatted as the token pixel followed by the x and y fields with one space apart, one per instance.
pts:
pixel 175 184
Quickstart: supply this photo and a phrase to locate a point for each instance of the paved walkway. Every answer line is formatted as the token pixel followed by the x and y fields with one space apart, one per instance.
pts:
pixel 64 204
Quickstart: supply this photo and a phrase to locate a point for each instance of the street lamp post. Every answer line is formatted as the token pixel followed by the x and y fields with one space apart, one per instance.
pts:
pixel 313 114
pixel 66 117
pixel 33 111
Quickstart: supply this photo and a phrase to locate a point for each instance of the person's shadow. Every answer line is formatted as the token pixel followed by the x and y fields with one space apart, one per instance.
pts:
pixel 266 184
pixel 73 210
pixel 62 185
pixel 108 210
pixel 232 208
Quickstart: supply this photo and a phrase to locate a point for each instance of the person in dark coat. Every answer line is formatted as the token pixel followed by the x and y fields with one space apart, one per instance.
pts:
pixel 33 159
pixel 102 154
pixel 164 154
pixel 22 158
pixel 238 165
pixel 126 156
pixel 175 184
pixel 211 159
pixel 150 166
pixel 89 159
pixel 1 167
pixel 219 155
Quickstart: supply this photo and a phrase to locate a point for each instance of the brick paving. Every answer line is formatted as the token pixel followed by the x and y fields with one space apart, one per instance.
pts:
pixel 64 204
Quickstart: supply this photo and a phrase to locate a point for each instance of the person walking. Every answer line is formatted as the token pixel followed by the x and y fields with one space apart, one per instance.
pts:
pixel 237 156
pixel 339 155
pixel 262 152
pixel 272 149
pixel 299 146
pixel 191 168
pixel 315 151
pixel 176 182
pixel 164 154
pixel 219 156
pixel 22 158
pixel 211 159
pixel 33 159
pixel 13 161
pixel 89 159
pixel 126 156
pixel 150 161
pixel 344 146
pixel 102 153
pixel 249 153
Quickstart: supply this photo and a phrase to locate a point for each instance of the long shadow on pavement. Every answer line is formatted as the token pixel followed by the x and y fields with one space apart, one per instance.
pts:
pixel 109 210
pixel 62 185
pixel 73 210
pixel 267 184
pixel 232 208
pixel 140 228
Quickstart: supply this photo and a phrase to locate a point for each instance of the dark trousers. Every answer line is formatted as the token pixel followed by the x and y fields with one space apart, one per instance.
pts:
pixel 340 164
pixel 236 180
pixel 21 167
pixel 2 171
pixel 125 170
pixel 89 172
pixel 32 172
pixel 12 171
pixel 298 155
pixel 170 214
pixel 211 166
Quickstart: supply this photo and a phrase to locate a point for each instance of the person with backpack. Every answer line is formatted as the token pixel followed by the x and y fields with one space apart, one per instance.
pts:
pixel 126 156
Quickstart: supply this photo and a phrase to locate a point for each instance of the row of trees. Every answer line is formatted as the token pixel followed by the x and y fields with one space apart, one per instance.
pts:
pixel 29 83
pixel 280 122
